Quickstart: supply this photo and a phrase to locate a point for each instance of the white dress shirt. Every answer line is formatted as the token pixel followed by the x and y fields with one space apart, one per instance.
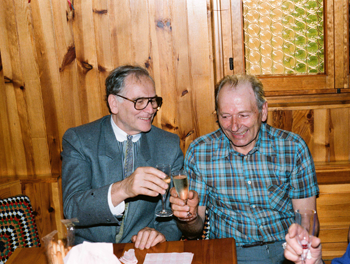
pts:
pixel 121 137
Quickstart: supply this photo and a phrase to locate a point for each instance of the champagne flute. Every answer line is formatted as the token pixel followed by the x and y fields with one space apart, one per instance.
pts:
pixel 166 169
pixel 306 219
pixel 180 180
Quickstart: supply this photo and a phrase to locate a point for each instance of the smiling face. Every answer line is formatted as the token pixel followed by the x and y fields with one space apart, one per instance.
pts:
pixel 125 116
pixel 239 116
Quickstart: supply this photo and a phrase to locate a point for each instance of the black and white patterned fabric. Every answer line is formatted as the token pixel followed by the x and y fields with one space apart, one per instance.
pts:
pixel 18 228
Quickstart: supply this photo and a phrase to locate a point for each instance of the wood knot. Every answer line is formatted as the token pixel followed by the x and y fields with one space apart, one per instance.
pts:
pixel 170 126
pixel 68 58
pixel 100 12
pixel 188 134
pixel 101 68
pixel 86 66
pixel 7 80
pixel 184 93
pixel 164 24
pixel 148 63
pixel 51 209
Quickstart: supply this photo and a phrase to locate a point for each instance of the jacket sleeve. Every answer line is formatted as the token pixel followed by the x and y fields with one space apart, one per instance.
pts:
pixel 80 199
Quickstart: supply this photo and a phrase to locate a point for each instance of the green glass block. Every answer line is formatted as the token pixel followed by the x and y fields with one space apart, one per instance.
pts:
pixel 312 61
pixel 288 34
pixel 320 68
pixel 288 19
pixel 286 48
pixel 299 12
pixel 299 26
pixel 320 53
pixel 312 47
pixel 312 4
pixel 289 62
pixel 276 13
pixel 300 40
pixel 312 18
pixel 290 37
pixel 300 68
pixel 312 33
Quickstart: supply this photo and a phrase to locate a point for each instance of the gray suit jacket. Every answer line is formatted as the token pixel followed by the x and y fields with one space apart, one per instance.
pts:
pixel 91 162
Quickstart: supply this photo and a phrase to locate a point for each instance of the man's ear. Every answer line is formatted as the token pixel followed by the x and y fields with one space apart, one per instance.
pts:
pixel 113 103
pixel 264 112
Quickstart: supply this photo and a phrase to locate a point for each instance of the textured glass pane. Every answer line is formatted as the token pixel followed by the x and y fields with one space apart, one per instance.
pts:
pixel 283 37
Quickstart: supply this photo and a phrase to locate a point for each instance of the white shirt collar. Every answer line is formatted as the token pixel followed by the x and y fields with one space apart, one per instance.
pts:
pixel 121 135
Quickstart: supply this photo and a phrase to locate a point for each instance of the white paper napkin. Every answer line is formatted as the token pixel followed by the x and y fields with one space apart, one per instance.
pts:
pixel 91 253
pixel 168 258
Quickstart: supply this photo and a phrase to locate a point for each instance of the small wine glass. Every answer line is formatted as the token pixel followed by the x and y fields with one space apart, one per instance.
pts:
pixel 306 219
pixel 166 168
pixel 180 180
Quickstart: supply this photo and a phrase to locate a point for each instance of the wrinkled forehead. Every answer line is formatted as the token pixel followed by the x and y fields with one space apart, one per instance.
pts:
pixel 231 94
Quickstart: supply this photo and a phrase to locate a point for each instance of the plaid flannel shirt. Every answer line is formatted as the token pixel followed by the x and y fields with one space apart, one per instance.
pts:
pixel 249 197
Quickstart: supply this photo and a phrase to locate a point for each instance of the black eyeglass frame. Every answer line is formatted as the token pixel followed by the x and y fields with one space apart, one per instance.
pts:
pixel 159 101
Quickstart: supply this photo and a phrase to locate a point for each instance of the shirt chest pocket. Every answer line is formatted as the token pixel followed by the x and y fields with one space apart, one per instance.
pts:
pixel 279 186
pixel 278 197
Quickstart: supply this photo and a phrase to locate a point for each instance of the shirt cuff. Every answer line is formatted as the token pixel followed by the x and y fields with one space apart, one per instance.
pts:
pixel 115 210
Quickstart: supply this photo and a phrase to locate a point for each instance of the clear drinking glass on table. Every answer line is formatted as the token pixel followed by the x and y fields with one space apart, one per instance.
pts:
pixel 180 179
pixel 166 168
pixel 306 220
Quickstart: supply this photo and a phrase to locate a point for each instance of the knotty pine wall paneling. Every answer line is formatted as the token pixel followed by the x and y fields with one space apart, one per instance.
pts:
pixel 54 60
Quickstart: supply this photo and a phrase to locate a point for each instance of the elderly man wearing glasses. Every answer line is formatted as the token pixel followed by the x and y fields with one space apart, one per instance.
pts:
pixel 109 178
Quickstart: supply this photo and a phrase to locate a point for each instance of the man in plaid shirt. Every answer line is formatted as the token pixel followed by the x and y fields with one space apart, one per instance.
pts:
pixel 247 175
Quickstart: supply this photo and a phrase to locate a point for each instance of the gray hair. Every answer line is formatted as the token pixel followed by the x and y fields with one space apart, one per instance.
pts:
pixel 235 80
pixel 115 82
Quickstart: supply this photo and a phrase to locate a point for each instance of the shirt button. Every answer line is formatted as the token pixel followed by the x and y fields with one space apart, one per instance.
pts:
pixel 260 227
pixel 253 206
pixel 108 220
pixel 249 182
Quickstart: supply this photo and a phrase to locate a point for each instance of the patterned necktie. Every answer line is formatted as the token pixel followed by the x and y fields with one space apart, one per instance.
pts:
pixel 129 159
pixel 128 169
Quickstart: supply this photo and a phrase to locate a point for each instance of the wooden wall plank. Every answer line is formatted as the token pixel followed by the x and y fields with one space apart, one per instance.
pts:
pixel 201 68
pixel 340 120
pixel 184 121
pixel 161 60
pixel 341 42
pixel 84 37
pixel 120 21
pixel 50 103
pixel 6 160
pixel 321 135
pixel 140 31
pixel 20 142
pixel 63 56
pixel 218 35
pixel 326 131
pixel 103 42
pixel 226 24
pixel 237 36
pixel 329 43
pixel 66 58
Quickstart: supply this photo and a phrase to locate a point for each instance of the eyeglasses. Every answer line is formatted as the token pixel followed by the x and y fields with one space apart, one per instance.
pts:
pixel 142 102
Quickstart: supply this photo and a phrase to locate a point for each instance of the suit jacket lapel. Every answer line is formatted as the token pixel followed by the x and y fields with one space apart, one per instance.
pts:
pixel 110 154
